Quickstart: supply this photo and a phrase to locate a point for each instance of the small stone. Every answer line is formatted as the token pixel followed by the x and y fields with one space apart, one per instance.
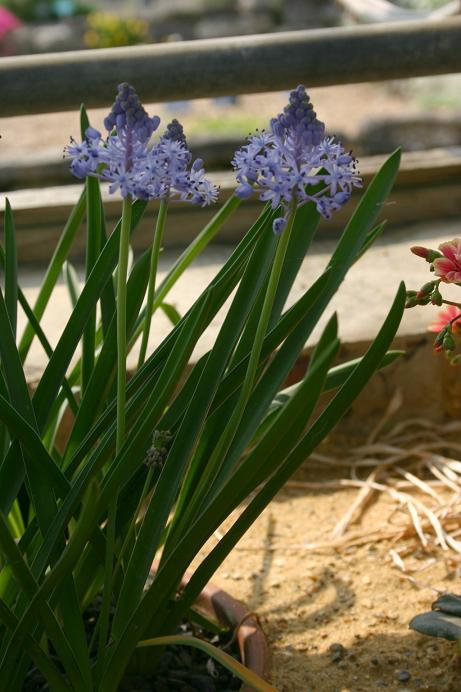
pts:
pixel 367 603
pixel 337 652
pixel 366 579
pixel 403 676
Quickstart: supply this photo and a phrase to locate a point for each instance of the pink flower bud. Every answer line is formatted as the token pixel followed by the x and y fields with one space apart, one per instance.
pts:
pixel 420 251
pixel 425 252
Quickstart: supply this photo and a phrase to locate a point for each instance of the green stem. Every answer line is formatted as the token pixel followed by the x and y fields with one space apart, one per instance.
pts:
pixel 158 236
pixel 132 528
pixel 121 320
pixel 451 302
pixel 121 398
pixel 187 257
pixel 217 458
pixel 93 237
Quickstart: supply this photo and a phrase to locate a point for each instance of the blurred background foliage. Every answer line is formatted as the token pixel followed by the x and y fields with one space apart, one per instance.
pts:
pixel 30 10
pixel 107 30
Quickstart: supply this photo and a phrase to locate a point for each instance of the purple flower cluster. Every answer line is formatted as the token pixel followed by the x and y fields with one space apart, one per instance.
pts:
pixel 125 160
pixel 295 163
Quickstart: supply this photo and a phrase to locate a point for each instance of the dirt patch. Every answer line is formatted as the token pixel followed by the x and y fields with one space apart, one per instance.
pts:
pixel 337 620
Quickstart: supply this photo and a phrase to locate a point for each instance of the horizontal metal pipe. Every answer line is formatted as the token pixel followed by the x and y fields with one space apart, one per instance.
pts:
pixel 242 64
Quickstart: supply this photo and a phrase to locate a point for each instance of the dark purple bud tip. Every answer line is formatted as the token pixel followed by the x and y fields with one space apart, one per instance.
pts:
pixel 175 132
pixel 279 225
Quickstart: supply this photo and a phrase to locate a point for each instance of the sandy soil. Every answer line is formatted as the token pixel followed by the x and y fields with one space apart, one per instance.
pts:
pixel 337 620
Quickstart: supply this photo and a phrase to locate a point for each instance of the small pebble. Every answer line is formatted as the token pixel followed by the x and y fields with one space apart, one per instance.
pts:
pixel 337 652
pixel 403 676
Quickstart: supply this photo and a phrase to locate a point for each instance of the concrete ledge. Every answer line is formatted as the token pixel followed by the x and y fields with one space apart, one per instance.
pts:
pixel 429 385
pixel 427 188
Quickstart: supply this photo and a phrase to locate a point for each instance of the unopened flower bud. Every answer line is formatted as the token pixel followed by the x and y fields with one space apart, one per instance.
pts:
pixel 436 297
pixel 411 301
pixel 158 452
pixel 448 343
pixel 427 288
pixel 425 252
pixel 456 360
pixel 439 339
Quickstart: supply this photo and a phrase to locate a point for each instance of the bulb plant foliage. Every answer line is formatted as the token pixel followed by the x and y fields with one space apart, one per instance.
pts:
pixel 154 464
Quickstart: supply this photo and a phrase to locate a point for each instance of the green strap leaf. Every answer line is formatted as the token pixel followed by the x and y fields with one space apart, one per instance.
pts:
pixel 53 272
pixel 11 268
pixel 55 371
pixel 316 433
pixel 239 670
pixel 39 608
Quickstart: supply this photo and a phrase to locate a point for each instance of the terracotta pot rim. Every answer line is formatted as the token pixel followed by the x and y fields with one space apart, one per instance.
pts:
pixel 232 613
pixel 229 611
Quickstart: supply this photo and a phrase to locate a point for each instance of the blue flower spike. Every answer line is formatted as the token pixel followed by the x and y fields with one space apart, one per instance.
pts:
pixel 296 162
pixel 127 161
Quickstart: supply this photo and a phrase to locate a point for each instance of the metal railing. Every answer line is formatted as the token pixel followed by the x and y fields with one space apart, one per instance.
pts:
pixel 217 67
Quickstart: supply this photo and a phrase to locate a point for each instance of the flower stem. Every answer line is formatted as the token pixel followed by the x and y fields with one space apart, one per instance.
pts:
pixel 219 453
pixel 261 329
pixel 121 397
pixel 121 320
pixel 451 302
pixel 197 246
pixel 156 246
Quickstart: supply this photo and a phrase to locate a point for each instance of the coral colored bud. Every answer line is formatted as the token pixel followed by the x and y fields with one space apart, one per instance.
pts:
pixel 420 251
pixel 425 252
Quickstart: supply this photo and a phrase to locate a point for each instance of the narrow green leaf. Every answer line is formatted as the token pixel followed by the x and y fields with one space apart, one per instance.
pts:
pixel 52 377
pixel 72 282
pixel 335 378
pixel 304 227
pixel 43 662
pixel 53 271
pixel 239 670
pixel 38 608
pixel 143 553
pixel 14 374
pixel 222 285
pixel 108 293
pixel 317 432
pixel 99 386
pixel 93 248
pixel 11 268
pixel 371 238
pixel 195 416
pixel 171 312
